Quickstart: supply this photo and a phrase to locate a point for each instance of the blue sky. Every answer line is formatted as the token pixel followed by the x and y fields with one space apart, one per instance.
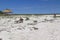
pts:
pixel 31 6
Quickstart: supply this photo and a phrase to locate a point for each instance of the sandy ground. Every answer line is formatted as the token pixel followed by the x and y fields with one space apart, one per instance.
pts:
pixel 46 28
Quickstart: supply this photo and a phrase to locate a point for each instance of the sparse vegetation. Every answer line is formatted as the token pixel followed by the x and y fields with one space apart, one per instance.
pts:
pixel 1 13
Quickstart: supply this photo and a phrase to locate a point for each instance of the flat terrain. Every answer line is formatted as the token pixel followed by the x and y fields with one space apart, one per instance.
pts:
pixel 36 27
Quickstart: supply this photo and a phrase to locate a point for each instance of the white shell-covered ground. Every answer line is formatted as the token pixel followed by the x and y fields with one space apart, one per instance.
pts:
pixel 44 27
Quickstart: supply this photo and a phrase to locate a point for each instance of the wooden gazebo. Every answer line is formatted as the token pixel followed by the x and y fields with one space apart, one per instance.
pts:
pixel 7 11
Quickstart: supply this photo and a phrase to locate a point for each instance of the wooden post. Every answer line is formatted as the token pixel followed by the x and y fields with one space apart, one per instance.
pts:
pixel 54 15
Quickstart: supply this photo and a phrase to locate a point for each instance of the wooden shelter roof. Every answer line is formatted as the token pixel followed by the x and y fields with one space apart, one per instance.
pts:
pixel 7 11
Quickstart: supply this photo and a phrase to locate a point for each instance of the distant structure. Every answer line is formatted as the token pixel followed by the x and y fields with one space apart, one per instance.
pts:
pixel 7 11
pixel 54 15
